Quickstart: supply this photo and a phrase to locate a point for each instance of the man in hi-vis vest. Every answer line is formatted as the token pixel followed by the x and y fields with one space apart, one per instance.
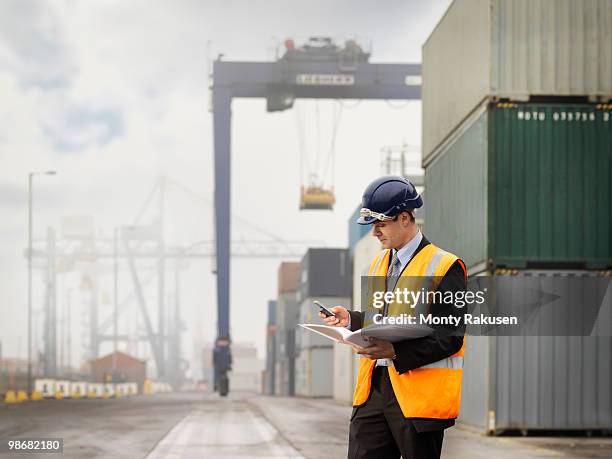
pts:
pixel 408 391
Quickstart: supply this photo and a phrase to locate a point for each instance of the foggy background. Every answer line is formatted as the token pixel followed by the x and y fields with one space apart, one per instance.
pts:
pixel 111 94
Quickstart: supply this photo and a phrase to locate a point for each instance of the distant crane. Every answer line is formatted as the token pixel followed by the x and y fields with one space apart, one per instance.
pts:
pixel 132 243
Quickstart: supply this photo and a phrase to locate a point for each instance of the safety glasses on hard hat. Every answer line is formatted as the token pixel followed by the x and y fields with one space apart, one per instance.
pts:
pixel 370 213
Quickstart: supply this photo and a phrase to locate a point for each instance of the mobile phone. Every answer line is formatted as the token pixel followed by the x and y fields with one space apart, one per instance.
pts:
pixel 324 309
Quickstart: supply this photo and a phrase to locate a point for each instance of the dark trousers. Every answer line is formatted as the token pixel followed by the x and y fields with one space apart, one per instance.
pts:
pixel 379 429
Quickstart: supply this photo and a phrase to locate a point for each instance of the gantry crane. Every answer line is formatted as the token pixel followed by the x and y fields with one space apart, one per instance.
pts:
pixel 319 69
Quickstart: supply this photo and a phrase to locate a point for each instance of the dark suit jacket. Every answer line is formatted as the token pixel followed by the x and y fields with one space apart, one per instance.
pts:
pixel 445 341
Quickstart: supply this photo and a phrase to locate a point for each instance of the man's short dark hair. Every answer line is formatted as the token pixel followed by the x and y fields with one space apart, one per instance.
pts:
pixel 410 212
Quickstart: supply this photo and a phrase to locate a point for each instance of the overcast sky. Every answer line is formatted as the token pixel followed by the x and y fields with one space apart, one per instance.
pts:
pixel 112 93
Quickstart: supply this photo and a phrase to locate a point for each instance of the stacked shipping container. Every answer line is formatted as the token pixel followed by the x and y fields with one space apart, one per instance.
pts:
pixel 287 320
pixel 495 49
pixel 325 275
pixel 526 186
pixel 269 378
pixel 517 144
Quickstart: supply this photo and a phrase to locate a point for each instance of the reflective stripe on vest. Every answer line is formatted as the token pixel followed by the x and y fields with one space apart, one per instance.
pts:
pixel 431 266
pixel 452 363
pixel 428 281
pixel 433 263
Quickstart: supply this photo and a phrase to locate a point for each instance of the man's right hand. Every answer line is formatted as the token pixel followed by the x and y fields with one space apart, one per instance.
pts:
pixel 341 318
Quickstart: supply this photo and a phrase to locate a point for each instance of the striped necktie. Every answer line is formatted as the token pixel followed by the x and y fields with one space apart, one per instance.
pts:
pixel 392 276
pixel 393 271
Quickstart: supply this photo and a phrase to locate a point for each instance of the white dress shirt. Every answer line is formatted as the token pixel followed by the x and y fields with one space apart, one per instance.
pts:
pixel 404 254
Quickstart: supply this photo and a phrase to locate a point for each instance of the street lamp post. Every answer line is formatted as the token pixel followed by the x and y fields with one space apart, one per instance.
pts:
pixel 115 298
pixel 30 180
pixel 69 330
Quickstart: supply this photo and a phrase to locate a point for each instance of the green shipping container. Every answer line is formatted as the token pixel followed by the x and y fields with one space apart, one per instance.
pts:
pixel 525 186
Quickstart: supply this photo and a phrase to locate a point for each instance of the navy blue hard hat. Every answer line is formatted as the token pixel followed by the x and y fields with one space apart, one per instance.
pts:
pixel 386 197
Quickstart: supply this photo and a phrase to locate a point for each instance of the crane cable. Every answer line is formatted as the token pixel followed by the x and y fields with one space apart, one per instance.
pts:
pixel 331 156
pixel 397 106
pixel 318 150
pixel 337 110
pixel 304 161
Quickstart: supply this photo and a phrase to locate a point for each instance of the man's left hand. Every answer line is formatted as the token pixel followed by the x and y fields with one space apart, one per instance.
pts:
pixel 381 349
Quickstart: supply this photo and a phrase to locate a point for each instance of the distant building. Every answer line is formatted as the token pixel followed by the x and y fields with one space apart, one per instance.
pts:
pixel 128 369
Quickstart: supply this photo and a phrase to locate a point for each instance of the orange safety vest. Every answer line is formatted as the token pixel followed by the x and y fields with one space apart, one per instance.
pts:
pixel 431 391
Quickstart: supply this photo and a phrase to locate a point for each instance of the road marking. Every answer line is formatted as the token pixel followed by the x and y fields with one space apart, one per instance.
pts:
pixel 226 430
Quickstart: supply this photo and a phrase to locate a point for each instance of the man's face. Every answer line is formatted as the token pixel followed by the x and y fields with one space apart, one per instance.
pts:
pixel 391 234
pixel 396 233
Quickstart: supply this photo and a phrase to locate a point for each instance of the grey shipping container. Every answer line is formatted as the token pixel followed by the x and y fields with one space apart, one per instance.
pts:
pixel 314 361
pixel 287 319
pixel 287 310
pixel 314 372
pixel 530 383
pixel 272 312
pixel 346 363
pixel 309 313
pixel 325 272
pixel 287 314
pixel 285 377
pixel 269 377
pixel 525 186
pixel 515 49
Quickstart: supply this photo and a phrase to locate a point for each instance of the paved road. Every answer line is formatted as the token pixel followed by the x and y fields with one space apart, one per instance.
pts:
pixel 226 428
pixel 241 426
pixel 319 429
pixel 123 428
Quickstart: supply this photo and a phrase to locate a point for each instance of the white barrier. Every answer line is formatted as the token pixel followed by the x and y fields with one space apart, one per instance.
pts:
pixel 62 387
pixel 95 390
pixel 109 390
pixel 121 390
pixel 78 389
pixel 132 388
pixel 46 387
pixel 49 388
